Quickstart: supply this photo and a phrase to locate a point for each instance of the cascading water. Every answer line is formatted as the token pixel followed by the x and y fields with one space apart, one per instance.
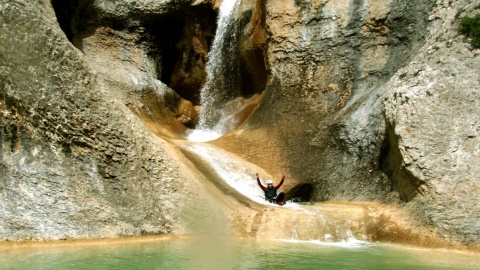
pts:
pixel 235 172
pixel 222 84
pixel 238 177
pixel 221 103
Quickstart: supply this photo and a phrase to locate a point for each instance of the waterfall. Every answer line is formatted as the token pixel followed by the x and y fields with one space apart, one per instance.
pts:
pixel 233 171
pixel 331 225
pixel 223 83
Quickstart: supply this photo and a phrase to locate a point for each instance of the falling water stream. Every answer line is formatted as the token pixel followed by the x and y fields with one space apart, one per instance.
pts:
pixel 221 89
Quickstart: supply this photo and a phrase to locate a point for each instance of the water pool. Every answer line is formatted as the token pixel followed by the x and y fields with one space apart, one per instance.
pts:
pixel 207 253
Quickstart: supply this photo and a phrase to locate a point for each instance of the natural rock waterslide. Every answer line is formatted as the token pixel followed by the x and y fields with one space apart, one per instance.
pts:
pixel 352 100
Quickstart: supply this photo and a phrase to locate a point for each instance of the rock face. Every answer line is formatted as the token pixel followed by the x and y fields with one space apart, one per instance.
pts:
pixel 361 100
pixel 337 68
pixel 75 161
pixel 432 111
pixel 322 111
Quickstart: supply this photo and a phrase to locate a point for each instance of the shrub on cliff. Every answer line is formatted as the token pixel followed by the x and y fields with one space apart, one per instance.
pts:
pixel 470 27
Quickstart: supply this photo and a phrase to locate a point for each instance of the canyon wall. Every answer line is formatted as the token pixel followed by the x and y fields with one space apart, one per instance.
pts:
pixel 357 105
pixel 76 162
pixel 433 122
pixel 329 61
pixel 361 100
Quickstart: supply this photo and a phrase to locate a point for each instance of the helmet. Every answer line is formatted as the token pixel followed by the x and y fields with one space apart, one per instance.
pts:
pixel 269 181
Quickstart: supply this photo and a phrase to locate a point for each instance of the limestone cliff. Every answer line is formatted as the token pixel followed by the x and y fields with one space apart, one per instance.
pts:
pixel 329 61
pixel 75 161
pixel 337 68
pixel 432 109
pixel 361 100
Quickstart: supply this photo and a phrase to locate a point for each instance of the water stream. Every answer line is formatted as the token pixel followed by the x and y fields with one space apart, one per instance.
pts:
pixel 233 171
pixel 222 86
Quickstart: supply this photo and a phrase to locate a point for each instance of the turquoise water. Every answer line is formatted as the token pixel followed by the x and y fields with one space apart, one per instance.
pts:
pixel 232 254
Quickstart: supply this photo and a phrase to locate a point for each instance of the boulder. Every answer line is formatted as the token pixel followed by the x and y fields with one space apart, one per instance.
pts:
pixel 433 123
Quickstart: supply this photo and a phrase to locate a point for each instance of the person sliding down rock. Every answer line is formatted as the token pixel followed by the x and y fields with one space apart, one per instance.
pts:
pixel 271 191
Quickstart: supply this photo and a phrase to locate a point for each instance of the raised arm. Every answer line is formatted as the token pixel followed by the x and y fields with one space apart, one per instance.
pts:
pixel 281 183
pixel 259 183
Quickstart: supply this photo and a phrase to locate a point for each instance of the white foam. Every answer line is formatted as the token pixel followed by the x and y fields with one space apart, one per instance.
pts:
pixel 200 135
pixel 347 243
pixel 229 120
pixel 234 171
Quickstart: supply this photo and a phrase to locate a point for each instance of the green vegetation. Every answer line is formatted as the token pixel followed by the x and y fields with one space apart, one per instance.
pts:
pixel 470 27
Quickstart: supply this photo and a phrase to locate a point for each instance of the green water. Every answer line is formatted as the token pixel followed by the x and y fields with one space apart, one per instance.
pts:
pixel 233 254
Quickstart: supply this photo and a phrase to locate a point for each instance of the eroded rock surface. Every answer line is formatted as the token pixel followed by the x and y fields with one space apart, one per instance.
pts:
pixel 336 71
pixel 75 161
pixel 432 108
pixel 321 119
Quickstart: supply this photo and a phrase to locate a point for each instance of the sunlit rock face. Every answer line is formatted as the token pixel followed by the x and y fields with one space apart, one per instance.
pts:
pixel 337 68
pixel 321 119
pixel 432 109
pixel 75 161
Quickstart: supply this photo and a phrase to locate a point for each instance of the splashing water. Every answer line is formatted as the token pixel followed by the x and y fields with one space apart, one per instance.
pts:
pixel 230 117
pixel 236 173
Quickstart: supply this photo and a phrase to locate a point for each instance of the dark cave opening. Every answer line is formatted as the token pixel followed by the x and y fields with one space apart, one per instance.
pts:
pixel 300 193
pixel 65 12
pixel 384 157
pixel 185 44
pixel 163 33
pixel 391 163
